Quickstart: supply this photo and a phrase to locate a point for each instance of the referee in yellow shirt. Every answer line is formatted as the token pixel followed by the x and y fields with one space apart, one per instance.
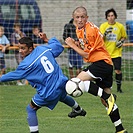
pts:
pixel 114 35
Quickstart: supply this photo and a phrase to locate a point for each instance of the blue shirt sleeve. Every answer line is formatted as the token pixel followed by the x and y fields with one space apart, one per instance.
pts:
pixel 14 75
pixel 56 47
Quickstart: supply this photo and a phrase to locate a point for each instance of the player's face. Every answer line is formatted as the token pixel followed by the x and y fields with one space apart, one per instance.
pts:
pixel 111 17
pixel 80 19
pixel 24 50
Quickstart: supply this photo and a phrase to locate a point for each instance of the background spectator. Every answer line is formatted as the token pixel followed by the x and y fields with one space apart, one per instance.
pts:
pixel 4 44
pixel 75 60
pixel 35 36
pixel 15 36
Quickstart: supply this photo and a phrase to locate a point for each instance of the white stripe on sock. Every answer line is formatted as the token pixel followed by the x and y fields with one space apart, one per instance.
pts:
pixel 33 128
pixel 117 123
pixel 87 85
pixel 100 92
pixel 75 105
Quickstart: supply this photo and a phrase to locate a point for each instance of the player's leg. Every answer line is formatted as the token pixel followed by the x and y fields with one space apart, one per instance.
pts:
pixel 107 98
pixel 32 117
pixel 76 109
pixel 115 118
pixel 97 71
pixel 118 73
pixel 114 112
pixel 105 83
pixel 35 104
pixel 118 77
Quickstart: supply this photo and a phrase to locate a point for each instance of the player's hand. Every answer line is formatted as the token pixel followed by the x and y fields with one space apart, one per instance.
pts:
pixel 43 36
pixel 108 30
pixel 119 43
pixel 70 42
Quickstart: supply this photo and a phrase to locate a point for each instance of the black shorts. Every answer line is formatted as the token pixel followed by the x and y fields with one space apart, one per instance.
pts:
pixel 102 73
pixel 117 63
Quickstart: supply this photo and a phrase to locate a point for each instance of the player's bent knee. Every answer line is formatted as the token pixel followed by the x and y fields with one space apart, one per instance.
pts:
pixel 29 109
pixel 32 107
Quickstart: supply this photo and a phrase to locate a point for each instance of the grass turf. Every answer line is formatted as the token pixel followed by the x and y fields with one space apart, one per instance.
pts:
pixel 14 99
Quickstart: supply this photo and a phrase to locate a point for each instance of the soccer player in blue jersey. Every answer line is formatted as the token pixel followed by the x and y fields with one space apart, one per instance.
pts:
pixel 41 70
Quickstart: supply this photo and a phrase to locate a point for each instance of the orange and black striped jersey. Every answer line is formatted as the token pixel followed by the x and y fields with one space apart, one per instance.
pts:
pixel 92 40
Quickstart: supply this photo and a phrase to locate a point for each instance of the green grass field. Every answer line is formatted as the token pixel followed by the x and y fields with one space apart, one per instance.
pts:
pixel 14 99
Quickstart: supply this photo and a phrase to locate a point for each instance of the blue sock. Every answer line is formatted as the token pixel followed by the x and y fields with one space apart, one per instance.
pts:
pixel 69 101
pixel 32 119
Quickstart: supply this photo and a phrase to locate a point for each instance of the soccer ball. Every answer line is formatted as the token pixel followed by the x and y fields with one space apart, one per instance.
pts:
pixel 75 87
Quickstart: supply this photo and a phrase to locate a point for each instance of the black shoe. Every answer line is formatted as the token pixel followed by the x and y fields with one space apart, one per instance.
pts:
pixel 35 132
pixel 74 113
pixel 119 90
pixel 123 131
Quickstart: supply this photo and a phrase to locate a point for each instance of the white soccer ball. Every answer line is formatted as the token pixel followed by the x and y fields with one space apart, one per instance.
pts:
pixel 75 87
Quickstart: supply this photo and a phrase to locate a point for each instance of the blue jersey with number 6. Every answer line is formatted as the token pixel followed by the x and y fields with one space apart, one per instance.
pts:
pixel 41 70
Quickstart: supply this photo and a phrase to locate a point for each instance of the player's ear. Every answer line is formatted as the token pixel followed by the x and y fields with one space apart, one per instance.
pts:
pixel 87 17
pixel 31 49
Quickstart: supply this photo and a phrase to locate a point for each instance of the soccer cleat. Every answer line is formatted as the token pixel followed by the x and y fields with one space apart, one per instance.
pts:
pixel 123 131
pixel 110 102
pixel 74 113
pixel 120 91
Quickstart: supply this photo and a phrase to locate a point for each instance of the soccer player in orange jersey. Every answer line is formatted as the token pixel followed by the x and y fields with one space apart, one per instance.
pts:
pixel 97 76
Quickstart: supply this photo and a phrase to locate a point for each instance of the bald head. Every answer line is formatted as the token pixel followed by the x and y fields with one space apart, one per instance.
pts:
pixel 80 9
pixel 80 16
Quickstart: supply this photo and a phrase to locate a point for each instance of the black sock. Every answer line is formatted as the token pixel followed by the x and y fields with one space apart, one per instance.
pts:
pixel 115 116
pixel 105 96
pixel 94 89
pixel 118 78
pixel 78 108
